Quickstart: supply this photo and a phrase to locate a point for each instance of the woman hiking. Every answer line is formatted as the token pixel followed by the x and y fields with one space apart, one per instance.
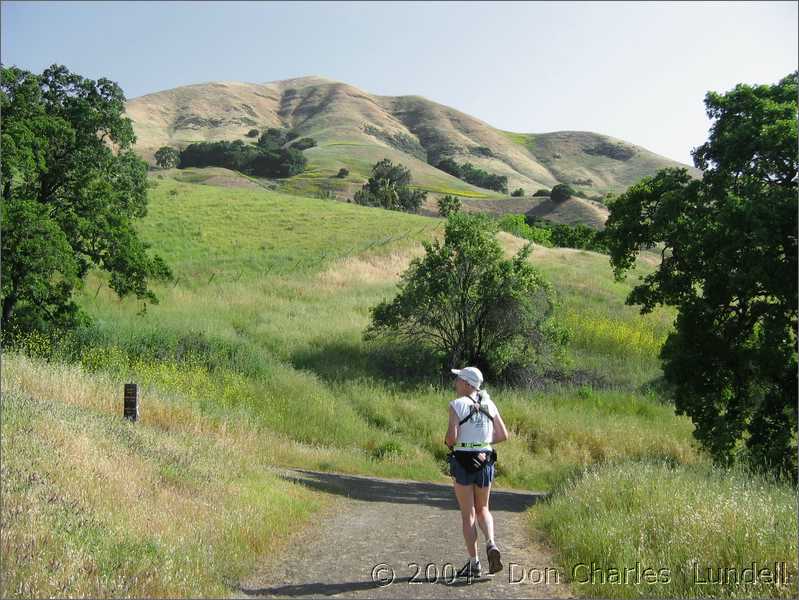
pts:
pixel 474 425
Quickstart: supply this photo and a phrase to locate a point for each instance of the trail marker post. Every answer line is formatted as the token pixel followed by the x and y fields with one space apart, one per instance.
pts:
pixel 131 409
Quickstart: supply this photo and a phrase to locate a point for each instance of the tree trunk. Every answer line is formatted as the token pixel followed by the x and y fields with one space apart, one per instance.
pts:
pixel 8 308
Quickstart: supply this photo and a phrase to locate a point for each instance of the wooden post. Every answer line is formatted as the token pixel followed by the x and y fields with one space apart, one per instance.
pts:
pixel 131 410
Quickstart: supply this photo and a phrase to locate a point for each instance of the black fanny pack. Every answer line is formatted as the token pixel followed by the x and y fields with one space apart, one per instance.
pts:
pixel 471 462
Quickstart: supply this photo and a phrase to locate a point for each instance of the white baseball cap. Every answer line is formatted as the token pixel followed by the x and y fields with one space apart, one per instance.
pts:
pixel 470 375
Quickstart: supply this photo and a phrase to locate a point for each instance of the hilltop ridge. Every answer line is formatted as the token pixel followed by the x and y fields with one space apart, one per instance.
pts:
pixel 354 129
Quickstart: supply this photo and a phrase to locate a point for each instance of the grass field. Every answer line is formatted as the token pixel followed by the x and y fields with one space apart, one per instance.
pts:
pixel 254 357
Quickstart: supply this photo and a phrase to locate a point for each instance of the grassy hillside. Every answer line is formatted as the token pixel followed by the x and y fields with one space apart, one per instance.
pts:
pixel 356 129
pixel 178 505
pixel 273 293
pixel 254 358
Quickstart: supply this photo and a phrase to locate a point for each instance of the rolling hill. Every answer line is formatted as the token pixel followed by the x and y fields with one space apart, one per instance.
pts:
pixel 355 129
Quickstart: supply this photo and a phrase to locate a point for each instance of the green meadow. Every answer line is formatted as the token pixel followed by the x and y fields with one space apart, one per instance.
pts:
pixel 254 359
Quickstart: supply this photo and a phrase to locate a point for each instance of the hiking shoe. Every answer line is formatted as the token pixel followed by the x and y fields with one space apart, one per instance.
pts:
pixel 494 564
pixel 469 571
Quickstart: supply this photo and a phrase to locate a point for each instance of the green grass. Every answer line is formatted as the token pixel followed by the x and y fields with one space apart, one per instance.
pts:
pixel 230 233
pixel 330 155
pixel 684 523
pixel 523 139
pixel 439 189
pixel 608 337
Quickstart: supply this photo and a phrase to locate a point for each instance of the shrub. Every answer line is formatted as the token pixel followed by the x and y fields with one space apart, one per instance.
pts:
pixel 167 157
pixel 616 151
pixel 342 173
pixel 304 143
pixel 518 226
pixel 518 192
pixel 448 205
pixel 252 133
pixel 570 236
pixel 542 192
pixel 561 192
pixel 481 151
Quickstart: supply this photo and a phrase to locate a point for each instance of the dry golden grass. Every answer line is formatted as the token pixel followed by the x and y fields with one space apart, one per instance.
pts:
pixel 368 269
pixel 511 244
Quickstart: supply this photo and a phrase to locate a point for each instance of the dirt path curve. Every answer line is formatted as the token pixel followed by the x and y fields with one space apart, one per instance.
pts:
pixel 378 526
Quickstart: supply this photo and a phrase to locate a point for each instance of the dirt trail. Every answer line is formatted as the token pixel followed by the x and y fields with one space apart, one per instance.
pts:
pixel 375 525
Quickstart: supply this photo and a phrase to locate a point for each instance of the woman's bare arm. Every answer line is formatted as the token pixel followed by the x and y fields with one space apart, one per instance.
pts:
pixel 452 428
pixel 500 431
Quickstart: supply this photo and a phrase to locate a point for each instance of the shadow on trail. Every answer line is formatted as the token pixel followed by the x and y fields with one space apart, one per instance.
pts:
pixel 372 489
pixel 332 589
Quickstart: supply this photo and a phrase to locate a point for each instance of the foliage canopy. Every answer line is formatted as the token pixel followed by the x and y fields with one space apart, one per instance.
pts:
pixel 472 306
pixel 729 266
pixel 72 188
pixel 167 157
pixel 389 187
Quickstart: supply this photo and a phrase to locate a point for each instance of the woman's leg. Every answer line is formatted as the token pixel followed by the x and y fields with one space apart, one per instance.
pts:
pixel 465 497
pixel 484 518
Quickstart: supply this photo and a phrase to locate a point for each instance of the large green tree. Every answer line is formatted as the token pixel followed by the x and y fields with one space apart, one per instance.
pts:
pixel 730 267
pixel 470 305
pixel 71 189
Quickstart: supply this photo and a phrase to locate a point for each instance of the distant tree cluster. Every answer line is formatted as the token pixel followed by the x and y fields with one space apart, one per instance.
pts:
pixel 471 174
pixel 517 193
pixel 269 157
pixel 236 155
pixel 542 192
pixel 389 187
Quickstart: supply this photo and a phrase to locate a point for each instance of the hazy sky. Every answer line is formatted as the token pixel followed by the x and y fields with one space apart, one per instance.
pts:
pixel 634 71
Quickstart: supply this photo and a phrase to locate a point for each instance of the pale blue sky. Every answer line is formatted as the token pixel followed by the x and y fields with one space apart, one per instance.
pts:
pixel 636 71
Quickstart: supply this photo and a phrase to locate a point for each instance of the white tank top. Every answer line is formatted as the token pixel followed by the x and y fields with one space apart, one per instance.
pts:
pixel 479 428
